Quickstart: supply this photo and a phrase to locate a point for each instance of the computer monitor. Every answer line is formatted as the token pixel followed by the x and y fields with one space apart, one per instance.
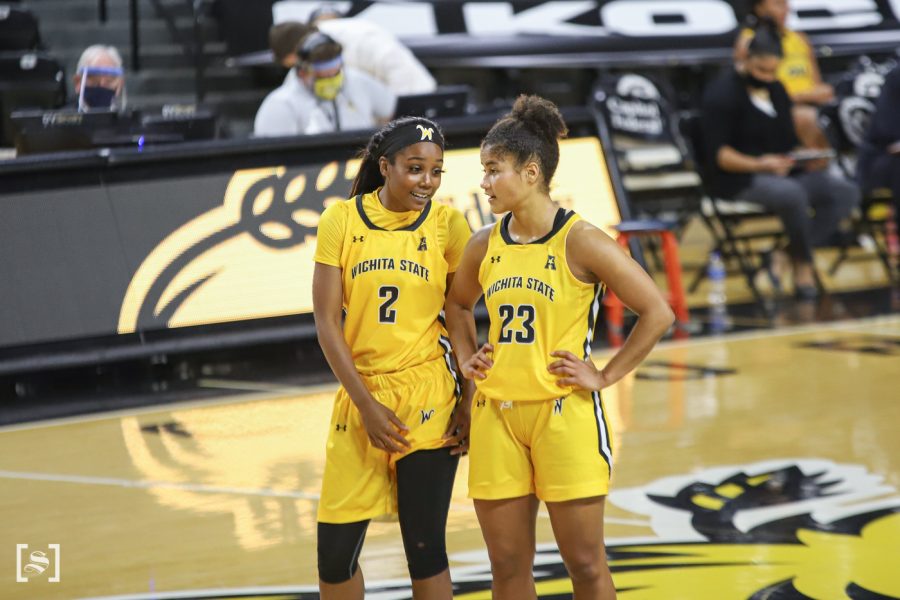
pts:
pixel 41 132
pixel 38 131
pixel 447 101
pixel 189 121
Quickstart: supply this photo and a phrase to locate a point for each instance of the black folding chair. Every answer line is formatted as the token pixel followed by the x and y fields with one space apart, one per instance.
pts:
pixel 743 233
pixel 28 80
pixel 18 29
pixel 845 123
pixel 652 160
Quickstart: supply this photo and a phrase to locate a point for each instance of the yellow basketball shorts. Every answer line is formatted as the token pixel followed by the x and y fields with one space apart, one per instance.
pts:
pixel 557 449
pixel 360 481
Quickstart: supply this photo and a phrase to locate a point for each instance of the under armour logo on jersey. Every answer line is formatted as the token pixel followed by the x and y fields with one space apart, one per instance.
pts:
pixel 427 132
pixel 423 244
pixel 557 406
pixel 481 402
pixel 427 415
pixel 360 238
pixel 340 427
pixel 495 259
pixel 551 262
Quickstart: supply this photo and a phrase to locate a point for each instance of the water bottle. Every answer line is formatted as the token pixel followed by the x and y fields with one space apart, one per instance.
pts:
pixel 718 311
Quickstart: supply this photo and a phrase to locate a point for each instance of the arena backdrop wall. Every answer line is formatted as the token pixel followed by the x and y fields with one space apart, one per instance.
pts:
pixel 166 242
pixel 527 33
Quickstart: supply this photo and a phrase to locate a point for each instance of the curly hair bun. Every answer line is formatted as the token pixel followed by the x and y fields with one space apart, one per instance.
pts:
pixel 540 115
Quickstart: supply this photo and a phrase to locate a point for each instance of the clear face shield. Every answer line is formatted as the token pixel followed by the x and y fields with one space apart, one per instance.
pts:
pixel 100 88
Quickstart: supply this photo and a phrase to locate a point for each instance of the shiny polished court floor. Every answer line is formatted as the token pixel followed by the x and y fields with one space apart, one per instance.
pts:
pixel 761 465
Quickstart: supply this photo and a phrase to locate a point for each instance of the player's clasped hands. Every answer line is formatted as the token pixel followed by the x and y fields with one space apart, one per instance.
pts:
pixel 385 429
pixel 457 435
pixel 478 363
pixel 575 372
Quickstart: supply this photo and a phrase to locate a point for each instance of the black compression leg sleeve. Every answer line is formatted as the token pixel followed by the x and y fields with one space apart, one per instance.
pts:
pixel 424 485
pixel 338 547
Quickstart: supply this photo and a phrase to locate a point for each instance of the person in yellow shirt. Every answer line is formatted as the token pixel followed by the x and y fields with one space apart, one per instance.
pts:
pixel 539 431
pixel 798 72
pixel 384 260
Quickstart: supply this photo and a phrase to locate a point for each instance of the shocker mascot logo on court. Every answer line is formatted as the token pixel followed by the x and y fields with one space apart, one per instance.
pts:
pixel 785 530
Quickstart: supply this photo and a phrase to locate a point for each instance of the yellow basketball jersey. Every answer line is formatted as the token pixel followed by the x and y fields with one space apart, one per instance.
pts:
pixel 535 306
pixel 795 71
pixel 394 286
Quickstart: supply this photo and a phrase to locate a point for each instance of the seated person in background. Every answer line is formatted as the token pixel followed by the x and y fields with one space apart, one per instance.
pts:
pixel 879 156
pixel 749 134
pixel 373 49
pixel 798 71
pixel 320 95
pixel 100 79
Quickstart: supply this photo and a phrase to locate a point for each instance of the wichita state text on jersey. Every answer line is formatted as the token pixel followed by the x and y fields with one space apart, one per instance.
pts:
pixel 394 283
pixel 536 306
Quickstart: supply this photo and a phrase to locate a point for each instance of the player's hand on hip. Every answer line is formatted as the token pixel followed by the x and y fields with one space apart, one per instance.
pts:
pixel 575 372
pixel 384 428
pixel 478 363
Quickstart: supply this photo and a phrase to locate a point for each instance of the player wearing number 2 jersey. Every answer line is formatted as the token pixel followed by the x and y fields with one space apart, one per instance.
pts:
pixel 538 428
pixel 384 260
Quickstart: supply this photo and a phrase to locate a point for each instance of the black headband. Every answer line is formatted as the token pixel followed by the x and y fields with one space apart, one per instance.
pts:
pixel 407 135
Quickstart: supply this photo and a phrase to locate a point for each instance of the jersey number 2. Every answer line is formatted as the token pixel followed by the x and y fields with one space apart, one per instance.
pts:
pixel 389 294
pixel 508 312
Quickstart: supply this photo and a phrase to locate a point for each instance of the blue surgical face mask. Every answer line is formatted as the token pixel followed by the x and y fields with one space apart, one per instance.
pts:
pixel 98 97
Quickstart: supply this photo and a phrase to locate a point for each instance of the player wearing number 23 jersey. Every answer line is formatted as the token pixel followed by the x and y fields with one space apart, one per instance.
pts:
pixel 536 306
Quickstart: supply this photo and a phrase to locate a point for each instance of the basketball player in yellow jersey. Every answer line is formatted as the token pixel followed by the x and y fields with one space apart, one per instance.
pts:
pixel 384 260
pixel 538 429
pixel 798 72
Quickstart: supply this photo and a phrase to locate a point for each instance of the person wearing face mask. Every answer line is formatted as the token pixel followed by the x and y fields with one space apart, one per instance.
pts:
pixel 323 95
pixel 749 135
pixel 100 79
pixel 798 70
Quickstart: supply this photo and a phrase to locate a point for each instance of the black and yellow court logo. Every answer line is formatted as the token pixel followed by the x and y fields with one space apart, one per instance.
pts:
pixel 777 530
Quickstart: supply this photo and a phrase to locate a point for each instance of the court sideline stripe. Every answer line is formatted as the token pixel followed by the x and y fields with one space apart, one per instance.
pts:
pixel 149 484
pixel 275 391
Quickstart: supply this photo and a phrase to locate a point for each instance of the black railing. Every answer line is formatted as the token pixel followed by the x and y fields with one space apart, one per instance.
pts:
pixel 193 44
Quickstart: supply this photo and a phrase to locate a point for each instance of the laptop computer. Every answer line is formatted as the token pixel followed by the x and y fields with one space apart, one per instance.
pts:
pixel 449 101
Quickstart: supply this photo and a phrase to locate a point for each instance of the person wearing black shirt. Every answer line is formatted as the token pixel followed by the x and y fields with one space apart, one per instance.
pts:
pixel 749 136
pixel 879 156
